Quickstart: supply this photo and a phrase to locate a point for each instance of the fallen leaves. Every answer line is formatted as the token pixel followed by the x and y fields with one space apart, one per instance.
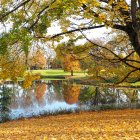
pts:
pixel 104 125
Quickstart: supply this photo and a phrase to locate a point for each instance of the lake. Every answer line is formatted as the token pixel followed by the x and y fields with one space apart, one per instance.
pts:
pixel 53 97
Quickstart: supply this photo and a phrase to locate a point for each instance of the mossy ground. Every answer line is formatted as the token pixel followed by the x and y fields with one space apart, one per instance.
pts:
pixel 103 125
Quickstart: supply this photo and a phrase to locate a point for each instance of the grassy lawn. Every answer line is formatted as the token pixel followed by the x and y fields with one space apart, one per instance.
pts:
pixel 103 125
pixel 136 84
pixel 57 74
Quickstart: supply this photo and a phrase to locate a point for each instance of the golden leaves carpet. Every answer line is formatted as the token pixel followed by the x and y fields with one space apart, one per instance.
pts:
pixel 102 125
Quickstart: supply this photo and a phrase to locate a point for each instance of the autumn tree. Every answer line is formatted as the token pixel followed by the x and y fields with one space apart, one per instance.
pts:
pixel 70 55
pixel 12 66
pixel 110 13
pixel 38 60
pixel 116 59
pixel 70 63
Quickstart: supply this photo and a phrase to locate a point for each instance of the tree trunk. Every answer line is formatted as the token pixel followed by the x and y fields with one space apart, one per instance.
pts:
pixel 133 31
pixel 96 99
pixel 136 44
pixel 71 72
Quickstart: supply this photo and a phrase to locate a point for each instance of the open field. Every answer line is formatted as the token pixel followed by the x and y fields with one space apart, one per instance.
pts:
pixel 103 125
pixel 57 74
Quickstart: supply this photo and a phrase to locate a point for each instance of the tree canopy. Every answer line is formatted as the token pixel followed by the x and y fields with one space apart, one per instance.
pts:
pixel 26 21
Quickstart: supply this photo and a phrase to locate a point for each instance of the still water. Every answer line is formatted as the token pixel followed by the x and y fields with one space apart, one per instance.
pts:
pixel 48 97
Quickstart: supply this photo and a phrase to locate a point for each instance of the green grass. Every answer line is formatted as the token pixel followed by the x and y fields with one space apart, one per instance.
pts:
pixel 57 74
pixel 136 84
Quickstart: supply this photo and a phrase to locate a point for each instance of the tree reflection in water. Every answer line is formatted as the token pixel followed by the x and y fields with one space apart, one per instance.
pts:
pixel 71 93
pixel 113 97
pixel 52 96
pixel 5 100
pixel 40 89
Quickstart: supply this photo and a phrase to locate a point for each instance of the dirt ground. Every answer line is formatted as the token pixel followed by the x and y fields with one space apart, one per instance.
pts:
pixel 102 125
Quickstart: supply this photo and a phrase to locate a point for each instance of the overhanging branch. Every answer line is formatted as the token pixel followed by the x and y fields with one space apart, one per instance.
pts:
pixel 79 29
pixel 119 27
pixel 127 75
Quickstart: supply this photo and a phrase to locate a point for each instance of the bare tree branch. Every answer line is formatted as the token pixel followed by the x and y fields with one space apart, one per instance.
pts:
pixel 119 58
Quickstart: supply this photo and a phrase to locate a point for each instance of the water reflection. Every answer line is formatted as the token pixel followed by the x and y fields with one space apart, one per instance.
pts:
pixel 5 100
pixel 51 96
pixel 42 97
pixel 71 93
pixel 113 97
pixel 40 89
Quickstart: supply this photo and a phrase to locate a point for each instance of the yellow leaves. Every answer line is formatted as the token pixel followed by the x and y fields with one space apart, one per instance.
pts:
pixel 119 5
pixel 45 138
pixel 103 125
pixel 11 69
pixel 93 3
pixel 70 63
pixel 125 84
pixel 83 1
pixel 122 4
pixel 116 10
pixel 135 60
pixel 110 2
pixel 136 56
pixel 102 17
pixel 28 79
pixel 38 60
pixel 103 70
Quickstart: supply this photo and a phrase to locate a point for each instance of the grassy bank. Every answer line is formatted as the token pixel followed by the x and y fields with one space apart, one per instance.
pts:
pixel 80 78
pixel 87 80
pixel 104 125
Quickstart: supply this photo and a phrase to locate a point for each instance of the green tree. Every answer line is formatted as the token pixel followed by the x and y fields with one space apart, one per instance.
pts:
pixel 56 63
pixel 5 100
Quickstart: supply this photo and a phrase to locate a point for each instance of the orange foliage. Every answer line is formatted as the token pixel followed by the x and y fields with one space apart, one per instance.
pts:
pixel 38 60
pixel 71 93
pixel 40 89
pixel 70 63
